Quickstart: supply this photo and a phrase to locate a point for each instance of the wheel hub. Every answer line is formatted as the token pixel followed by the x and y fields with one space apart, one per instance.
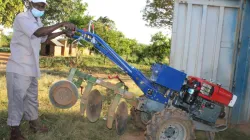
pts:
pixel 169 132
pixel 172 132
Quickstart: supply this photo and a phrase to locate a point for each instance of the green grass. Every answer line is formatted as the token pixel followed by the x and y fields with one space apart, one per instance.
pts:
pixel 63 124
pixel 68 124
pixel 90 64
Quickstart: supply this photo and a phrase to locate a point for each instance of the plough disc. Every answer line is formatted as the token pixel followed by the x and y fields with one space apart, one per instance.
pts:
pixel 63 94
pixel 94 106
pixel 121 118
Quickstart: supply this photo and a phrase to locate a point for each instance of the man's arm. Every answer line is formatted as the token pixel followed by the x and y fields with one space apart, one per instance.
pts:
pixel 43 31
pixel 54 35
pixel 30 29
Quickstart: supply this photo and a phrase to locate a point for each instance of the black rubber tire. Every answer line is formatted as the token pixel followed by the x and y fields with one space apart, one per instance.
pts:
pixel 136 119
pixel 166 117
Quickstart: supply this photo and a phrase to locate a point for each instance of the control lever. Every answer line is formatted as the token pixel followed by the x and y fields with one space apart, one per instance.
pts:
pixel 117 77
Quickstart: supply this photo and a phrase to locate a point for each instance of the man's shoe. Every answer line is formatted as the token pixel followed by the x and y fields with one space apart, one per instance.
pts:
pixel 36 126
pixel 16 133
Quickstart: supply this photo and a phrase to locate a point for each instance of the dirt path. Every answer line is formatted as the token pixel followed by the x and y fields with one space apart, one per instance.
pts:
pixel 3 59
pixel 133 136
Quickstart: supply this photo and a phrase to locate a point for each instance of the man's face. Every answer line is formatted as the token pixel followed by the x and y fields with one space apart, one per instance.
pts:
pixel 39 6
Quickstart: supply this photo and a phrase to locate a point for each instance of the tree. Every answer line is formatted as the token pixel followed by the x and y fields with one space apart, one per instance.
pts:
pixel 110 24
pixel 160 47
pixel 110 36
pixel 8 10
pixel 140 52
pixel 158 13
pixel 157 51
pixel 5 40
pixel 57 11
pixel 81 21
pixel 63 10
pixel 125 47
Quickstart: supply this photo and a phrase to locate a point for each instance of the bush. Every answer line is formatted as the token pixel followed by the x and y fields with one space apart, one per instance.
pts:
pixel 133 59
pixel 47 62
pixel 5 40
pixel 4 49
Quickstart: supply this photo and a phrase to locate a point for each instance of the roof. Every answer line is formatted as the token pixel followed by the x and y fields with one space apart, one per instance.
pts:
pixel 56 42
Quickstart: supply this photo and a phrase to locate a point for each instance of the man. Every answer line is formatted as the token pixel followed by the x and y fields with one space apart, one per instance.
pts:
pixel 23 66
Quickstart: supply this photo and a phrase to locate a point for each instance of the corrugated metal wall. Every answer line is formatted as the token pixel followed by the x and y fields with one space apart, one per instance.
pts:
pixel 241 110
pixel 210 39
pixel 204 38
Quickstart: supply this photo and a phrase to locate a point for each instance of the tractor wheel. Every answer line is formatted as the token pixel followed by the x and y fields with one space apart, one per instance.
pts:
pixel 170 125
pixel 139 118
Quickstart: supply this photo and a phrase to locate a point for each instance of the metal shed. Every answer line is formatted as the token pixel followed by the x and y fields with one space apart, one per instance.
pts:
pixel 241 111
pixel 210 40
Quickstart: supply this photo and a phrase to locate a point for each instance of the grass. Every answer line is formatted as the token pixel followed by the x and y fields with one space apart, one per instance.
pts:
pixel 64 124
pixel 68 124
pixel 90 64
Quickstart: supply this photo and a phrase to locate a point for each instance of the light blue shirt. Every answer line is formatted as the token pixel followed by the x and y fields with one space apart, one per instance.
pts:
pixel 24 46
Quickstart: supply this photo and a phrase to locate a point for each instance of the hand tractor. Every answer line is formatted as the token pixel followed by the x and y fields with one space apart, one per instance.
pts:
pixel 172 107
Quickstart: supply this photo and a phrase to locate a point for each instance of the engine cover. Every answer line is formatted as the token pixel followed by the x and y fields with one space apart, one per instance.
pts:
pixel 214 92
pixel 167 76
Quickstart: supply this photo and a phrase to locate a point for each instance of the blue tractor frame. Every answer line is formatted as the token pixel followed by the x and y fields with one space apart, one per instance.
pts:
pixel 163 82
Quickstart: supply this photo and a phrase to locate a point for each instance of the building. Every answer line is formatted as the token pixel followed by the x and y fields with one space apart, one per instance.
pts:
pixel 58 47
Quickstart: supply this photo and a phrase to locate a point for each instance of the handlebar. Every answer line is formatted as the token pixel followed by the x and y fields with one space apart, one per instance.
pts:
pixel 91 23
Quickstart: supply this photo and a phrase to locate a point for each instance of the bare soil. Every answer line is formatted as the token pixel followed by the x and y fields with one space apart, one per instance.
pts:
pixel 245 128
pixel 3 59
pixel 133 136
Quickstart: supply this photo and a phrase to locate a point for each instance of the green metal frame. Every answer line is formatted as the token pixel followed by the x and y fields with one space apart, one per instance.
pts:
pixel 77 77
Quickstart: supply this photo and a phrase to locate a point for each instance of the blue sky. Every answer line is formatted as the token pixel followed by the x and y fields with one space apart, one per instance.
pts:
pixel 127 16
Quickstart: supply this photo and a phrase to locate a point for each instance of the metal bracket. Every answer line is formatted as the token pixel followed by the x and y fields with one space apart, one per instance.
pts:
pixel 204 127
pixel 72 74
pixel 113 106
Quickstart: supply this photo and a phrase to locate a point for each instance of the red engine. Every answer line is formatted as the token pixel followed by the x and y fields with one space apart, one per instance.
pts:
pixel 203 100
pixel 212 92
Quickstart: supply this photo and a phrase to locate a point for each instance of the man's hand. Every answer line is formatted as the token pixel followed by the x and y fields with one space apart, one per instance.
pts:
pixel 69 26
pixel 69 33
